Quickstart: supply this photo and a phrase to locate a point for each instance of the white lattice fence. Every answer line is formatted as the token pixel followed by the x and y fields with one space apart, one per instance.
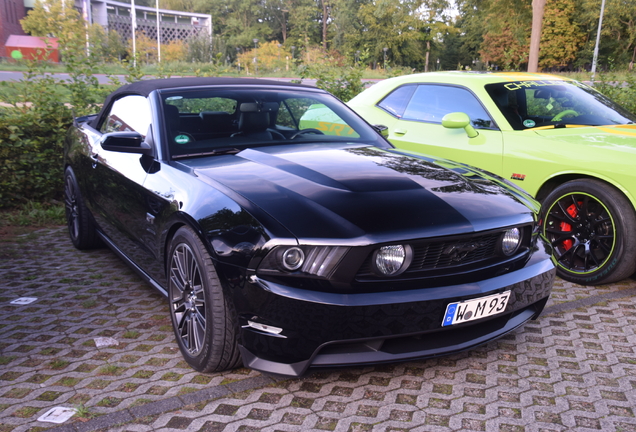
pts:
pixel 169 31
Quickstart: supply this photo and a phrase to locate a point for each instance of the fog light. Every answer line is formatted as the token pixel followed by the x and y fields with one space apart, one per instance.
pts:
pixel 293 258
pixel 392 260
pixel 510 241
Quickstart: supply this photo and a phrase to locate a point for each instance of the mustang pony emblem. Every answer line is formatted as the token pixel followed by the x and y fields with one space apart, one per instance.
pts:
pixel 459 251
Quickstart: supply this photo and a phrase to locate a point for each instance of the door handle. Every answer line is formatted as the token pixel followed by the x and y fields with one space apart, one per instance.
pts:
pixel 94 158
pixel 399 131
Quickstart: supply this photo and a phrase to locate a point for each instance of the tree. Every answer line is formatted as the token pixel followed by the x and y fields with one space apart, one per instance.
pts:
pixel 535 38
pixel 561 38
pixel 618 36
pixel 392 25
pixel 504 49
pixel 507 32
pixel 58 19
pixel 106 46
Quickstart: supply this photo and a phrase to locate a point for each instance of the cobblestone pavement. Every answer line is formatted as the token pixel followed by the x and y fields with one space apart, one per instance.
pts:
pixel 573 369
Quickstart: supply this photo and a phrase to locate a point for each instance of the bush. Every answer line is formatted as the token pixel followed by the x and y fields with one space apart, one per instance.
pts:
pixel 33 128
pixel 31 143
pixel 621 91
pixel 343 82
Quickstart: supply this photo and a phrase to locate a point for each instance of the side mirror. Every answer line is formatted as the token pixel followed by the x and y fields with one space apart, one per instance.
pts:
pixel 382 130
pixel 125 142
pixel 457 120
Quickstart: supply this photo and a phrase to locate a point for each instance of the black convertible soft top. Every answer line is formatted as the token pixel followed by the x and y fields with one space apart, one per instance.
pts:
pixel 145 87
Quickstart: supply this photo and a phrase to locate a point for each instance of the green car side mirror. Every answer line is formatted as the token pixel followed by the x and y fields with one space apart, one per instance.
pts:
pixel 458 120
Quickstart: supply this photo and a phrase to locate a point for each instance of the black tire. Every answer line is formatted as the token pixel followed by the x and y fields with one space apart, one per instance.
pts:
pixel 81 228
pixel 203 318
pixel 592 229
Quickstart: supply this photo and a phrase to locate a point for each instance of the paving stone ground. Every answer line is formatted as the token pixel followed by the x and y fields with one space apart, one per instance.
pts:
pixel 573 369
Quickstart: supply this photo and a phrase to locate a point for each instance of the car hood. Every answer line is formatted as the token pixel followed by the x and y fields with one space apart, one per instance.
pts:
pixel 619 137
pixel 351 191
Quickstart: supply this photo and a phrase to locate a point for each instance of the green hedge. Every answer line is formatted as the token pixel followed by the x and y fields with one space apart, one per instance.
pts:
pixel 31 142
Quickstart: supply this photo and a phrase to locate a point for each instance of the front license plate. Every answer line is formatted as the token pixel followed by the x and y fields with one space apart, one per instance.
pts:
pixel 470 310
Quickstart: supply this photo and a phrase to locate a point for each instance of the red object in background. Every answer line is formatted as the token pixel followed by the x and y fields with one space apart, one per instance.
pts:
pixel 33 47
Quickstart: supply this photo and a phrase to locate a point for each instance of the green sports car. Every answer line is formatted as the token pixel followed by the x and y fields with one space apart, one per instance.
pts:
pixel 559 139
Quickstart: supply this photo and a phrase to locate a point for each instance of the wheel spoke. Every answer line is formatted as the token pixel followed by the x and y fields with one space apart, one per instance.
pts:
pixel 564 210
pixel 564 255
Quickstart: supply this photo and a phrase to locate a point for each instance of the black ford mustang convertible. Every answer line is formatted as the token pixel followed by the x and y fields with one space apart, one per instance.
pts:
pixel 287 233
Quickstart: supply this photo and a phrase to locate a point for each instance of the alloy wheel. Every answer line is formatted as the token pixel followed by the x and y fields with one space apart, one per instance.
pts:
pixel 581 230
pixel 71 206
pixel 188 299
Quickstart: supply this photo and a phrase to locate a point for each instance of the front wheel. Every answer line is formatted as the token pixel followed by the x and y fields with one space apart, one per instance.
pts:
pixel 592 229
pixel 203 318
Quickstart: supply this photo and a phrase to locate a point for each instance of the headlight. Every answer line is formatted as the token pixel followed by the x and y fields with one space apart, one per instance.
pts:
pixel 293 258
pixel 510 241
pixel 392 260
pixel 318 261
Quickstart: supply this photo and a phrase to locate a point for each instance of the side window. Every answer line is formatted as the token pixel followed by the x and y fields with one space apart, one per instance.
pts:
pixel 430 103
pixel 130 113
pixel 395 103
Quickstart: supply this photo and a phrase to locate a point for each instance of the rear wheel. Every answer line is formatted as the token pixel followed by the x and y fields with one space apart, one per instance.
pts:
pixel 592 229
pixel 81 228
pixel 203 318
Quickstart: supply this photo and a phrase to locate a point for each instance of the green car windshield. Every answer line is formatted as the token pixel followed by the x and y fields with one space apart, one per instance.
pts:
pixel 530 104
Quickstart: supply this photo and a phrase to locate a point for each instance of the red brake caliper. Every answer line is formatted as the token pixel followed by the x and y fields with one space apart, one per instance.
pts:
pixel 565 227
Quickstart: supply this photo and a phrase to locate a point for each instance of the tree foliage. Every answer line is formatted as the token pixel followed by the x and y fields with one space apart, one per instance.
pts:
pixel 495 33
pixel 561 38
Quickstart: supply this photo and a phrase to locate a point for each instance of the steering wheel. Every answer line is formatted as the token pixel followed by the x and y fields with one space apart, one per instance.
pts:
pixel 306 131
pixel 564 113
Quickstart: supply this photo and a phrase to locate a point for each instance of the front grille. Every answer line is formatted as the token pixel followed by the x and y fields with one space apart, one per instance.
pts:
pixel 452 253
pixel 448 255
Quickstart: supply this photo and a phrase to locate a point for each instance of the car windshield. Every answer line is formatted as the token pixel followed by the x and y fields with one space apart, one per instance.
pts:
pixel 215 121
pixel 530 104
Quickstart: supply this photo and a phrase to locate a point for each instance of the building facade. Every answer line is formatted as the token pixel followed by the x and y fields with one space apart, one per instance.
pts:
pixel 113 15
pixel 118 16
pixel 11 12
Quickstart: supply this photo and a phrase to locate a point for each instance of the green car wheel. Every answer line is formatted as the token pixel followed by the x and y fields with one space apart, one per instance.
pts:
pixel 592 228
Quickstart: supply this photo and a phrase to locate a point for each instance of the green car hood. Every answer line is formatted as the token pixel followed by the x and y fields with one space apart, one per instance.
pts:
pixel 616 138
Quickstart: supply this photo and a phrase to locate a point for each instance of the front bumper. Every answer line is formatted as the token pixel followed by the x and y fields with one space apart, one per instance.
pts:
pixel 327 329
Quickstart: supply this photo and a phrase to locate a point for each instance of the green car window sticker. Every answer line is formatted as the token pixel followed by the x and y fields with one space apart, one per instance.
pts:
pixel 529 123
pixel 182 139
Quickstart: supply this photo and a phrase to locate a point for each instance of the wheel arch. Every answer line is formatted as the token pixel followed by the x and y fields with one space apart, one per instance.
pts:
pixel 558 180
pixel 181 221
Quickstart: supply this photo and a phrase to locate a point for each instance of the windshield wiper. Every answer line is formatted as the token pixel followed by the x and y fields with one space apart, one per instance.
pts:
pixel 216 152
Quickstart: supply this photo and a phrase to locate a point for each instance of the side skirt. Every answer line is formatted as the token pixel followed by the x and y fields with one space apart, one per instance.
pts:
pixel 132 264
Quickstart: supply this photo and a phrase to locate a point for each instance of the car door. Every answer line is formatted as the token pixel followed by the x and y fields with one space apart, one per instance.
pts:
pixel 116 195
pixel 418 110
